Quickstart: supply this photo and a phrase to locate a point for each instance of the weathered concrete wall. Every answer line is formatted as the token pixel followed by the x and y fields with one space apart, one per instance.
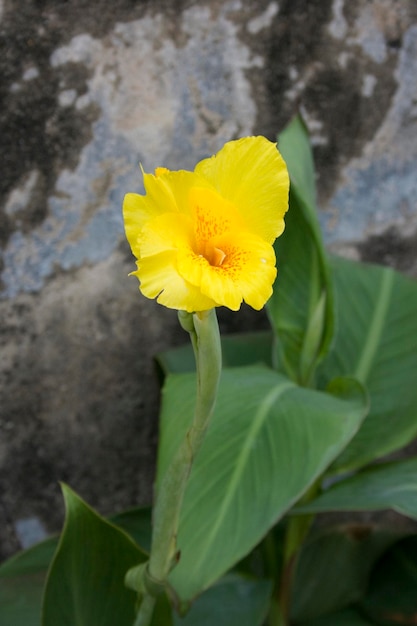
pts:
pixel 89 90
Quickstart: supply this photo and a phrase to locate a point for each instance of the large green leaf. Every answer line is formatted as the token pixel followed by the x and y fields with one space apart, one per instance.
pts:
pixel 301 307
pixel 386 486
pixel 232 601
pixel 268 441
pixel 333 568
pixel 392 595
pixel 85 585
pixel 22 579
pixel 376 342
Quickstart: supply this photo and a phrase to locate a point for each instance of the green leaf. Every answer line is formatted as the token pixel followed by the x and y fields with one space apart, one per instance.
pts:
pixel 333 568
pixel 294 145
pixel 376 342
pixel 301 307
pixel 232 601
pixel 137 523
pixel 22 580
pixel 392 595
pixel 22 577
pixel 85 585
pixel 237 350
pixel 34 559
pixel 248 472
pixel 386 486
pixel 348 617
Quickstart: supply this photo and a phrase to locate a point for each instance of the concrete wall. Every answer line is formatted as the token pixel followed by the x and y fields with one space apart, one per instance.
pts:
pixel 89 90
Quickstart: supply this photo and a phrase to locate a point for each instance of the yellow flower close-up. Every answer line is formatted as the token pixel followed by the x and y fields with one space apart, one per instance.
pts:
pixel 204 239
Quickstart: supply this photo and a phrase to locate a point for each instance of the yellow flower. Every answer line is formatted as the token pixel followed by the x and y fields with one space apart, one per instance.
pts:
pixel 204 239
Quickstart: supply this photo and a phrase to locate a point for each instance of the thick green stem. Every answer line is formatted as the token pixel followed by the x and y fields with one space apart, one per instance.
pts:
pixel 298 527
pixel 297 530
pixel 144 616
pixel 275 617
pixel 205 337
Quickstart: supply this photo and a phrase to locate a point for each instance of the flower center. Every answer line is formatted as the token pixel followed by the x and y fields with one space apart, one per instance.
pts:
pixel 213 217
pixel 215 256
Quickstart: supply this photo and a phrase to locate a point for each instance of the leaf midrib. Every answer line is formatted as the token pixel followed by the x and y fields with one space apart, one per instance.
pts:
pixel 376 326
pixel 258 421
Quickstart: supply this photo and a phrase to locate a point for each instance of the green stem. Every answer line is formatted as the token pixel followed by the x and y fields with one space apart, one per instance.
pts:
pixel 205 337
pixel 144 616
pixel 297 530
pixel 275 617
pixel 298 527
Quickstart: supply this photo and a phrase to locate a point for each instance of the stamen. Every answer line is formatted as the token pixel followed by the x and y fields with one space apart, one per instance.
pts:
pixel 218 257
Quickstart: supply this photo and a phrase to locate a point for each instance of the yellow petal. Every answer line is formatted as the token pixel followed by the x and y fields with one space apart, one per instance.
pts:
pixel 171 231
pixel 162 240
pixel 165 192
pixel 251 174
pixel 159 279
pixel 247 271
pixel 169 191
pixel 134 216
pixel 212 215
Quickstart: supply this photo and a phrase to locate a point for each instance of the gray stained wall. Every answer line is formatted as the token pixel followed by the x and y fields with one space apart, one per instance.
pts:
pixel 91 89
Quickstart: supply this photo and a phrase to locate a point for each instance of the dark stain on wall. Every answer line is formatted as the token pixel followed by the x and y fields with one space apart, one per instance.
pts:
pixel 331 94
pixel 391 249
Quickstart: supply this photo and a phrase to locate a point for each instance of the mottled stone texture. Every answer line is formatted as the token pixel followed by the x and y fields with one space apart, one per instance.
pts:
pixel 89 90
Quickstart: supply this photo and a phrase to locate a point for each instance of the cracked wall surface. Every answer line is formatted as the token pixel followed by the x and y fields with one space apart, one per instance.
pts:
pixel 88 93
